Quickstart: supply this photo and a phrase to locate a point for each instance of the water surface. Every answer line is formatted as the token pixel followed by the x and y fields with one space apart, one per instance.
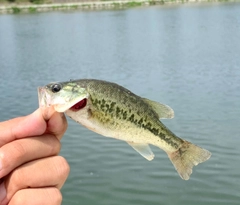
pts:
pixel 186 56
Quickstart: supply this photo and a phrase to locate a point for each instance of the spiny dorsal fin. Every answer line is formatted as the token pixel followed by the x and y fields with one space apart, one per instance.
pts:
pixel 163 111
pixel 143 149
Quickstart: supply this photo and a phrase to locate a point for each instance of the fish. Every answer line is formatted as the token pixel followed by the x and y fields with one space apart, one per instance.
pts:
pixel 113 111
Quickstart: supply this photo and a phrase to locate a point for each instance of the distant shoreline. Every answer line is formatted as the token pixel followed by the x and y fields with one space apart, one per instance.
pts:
pixel 92 5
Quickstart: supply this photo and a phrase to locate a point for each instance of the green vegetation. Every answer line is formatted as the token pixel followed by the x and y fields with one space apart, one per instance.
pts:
pixel 116 4
pixel 24 1
pixel 86 6
pixel 133 4
pixel 20 6
pixel 74 7
pixel 61 7
pixel 156 2
pixel 32 9
pixel 16 10
pixel 37 1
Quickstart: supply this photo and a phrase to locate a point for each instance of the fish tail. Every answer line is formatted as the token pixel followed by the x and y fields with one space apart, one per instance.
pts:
pixel 187 156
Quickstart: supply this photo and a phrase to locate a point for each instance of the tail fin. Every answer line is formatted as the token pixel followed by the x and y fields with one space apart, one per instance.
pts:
pixel 186 157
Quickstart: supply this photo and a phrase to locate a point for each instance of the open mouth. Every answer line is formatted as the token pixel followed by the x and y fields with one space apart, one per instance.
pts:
pixel 79 105
pixel 59 103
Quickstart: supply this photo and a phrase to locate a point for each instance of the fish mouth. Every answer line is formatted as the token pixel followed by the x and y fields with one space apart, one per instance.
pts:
pixel 44 99
pixel 79 105
pixel 59 104
pixel 75 105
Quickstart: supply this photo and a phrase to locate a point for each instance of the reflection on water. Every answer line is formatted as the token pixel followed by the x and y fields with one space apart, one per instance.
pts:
pixel 186 56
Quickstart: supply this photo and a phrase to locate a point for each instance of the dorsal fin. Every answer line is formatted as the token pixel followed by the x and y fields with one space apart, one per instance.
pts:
pixel 163 111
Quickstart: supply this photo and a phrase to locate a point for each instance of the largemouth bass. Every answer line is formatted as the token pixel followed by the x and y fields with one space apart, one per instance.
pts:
pixel 114 111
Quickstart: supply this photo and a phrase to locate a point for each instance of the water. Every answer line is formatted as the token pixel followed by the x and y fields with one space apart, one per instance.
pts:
pixel 186 56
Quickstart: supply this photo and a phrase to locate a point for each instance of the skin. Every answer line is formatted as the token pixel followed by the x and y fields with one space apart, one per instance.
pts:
pixel 31 171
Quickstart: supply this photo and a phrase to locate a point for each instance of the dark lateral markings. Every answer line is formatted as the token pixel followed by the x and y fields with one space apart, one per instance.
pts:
pixel 113 110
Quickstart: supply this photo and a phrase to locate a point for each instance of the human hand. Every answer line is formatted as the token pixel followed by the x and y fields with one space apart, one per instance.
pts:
pixel 30 170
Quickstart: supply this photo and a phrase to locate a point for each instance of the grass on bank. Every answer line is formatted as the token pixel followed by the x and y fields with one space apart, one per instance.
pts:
pixel 25 1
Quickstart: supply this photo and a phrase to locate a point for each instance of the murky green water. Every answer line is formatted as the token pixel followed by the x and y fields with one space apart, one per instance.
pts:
pixel 186 56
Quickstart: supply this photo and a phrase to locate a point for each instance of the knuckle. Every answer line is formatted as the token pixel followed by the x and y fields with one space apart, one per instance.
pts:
pixel 19 148
pixel 50 195
pixel 14 182
pixel 62 167
pixel 63 130
pixel 54 144
pixel 10 153
pixel 56 196
pixel 18 199
pixel 16 179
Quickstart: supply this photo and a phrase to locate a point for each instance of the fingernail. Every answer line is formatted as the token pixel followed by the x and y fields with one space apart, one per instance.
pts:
pixel 3 192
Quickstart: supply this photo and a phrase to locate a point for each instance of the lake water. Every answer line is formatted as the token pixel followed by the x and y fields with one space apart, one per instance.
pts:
pixel 186 56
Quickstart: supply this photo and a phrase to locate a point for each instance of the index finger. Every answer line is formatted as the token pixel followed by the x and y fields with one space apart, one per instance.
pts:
pixel 57 125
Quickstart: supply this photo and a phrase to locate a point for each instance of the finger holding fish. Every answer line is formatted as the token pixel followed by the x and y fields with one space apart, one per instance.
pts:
pixel 23 178
pixel 20 151
pixel 37 196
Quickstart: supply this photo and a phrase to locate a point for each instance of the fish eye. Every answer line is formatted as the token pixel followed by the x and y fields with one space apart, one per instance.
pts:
pixel 56 88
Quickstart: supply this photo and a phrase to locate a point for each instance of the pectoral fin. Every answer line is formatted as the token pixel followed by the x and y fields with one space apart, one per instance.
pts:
pixel 143 149
pixel 163 111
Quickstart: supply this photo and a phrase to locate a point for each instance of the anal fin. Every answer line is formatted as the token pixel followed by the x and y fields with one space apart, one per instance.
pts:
pixel 142 149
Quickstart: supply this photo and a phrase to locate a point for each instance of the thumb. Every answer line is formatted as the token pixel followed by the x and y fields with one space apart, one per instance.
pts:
pixel 30 125
pixel 57 125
